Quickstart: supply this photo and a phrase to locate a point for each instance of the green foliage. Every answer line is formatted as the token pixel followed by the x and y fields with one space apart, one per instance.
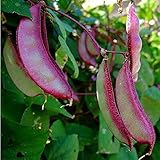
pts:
pixel 64 3
pixel 151 102
pixel 85 134
pixel 149 77
pixel 36 118
pixel 107 144
pixel 70 55
pixel 65 148
pixel 92 105
pixel 125 154
pixel 53 106
pixel 59 22
pixel 22 142
pixel 61 57
pixel 144 80
pixel 57 130
pixel 17 6
pixel 78 132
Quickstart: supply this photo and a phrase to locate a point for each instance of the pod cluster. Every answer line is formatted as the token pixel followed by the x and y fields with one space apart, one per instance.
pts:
pixel 39 73
pixel 122 110
pixel 108 106
pixel 34 58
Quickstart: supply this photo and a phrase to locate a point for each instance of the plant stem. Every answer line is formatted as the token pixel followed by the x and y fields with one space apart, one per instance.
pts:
pixel 31 2
pixel 72 19
pixel 116 52
pixel 86 94
pixel 83 27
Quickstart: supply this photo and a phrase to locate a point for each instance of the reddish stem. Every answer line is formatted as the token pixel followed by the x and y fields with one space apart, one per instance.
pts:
pixel 117 52
pixel 72 19
pixel 86 94
pixel 79 24
pixel 82 26
pixel 31 2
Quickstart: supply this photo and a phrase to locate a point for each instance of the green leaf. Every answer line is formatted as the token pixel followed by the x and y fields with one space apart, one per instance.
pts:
pixel 83 75
pixel 87 155
pixel 52 106
pixel 64 148
pixel 124 154
pixel 64 3
pixel 17 6
pixel 72 44
pixel 141 85
pixel 58 130
pixel 59 22
pixel 92 104
pixel 106 145
pixel 35 118
pixel 145 77
pixel 68 27
pixel 145 32
pixel 22 142
pixel 157 76
pixel 158 125
pixel 12 106
pixel 61 57
pixel 70 55
pixel 156 152
pixel 146 73
pixel 85 134
pixel 151 102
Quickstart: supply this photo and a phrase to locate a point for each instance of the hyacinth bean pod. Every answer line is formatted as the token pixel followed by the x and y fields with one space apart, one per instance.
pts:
pixel 45 41
pixel 17 71
pixel 36 60
pixel 108 107
pixel 134 41
pixel 131 111
pixel 82 50
pixel 92 49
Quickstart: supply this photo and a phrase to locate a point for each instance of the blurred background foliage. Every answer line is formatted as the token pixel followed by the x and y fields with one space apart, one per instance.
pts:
pixel 79 132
